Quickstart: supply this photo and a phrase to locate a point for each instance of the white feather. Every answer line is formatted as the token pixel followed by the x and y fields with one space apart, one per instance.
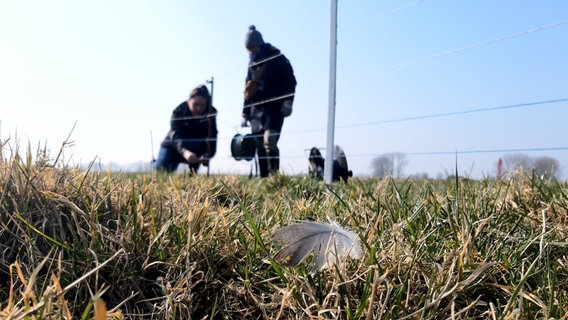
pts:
pixel 328 242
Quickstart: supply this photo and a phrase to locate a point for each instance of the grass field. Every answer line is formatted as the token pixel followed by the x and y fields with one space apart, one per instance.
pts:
pixel 83 244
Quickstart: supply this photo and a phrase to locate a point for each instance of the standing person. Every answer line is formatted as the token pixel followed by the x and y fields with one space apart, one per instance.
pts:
pixel 192 138
pixel 269 94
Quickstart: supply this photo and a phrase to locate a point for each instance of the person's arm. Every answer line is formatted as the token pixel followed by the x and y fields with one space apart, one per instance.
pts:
pixel 288 83
pixel 289 79
pixel 179 124
pixel 245 116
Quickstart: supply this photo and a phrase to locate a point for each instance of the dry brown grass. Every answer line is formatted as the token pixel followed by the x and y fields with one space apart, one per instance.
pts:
pixel 78 244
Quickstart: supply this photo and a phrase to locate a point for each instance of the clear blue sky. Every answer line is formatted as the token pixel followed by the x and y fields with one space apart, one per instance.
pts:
pixel 118 68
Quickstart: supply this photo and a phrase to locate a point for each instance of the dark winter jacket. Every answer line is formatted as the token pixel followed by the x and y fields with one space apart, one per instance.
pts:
pixel 270 75
pixel 188 132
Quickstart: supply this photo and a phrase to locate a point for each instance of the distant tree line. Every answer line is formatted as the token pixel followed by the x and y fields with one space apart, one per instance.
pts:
pixel 393 164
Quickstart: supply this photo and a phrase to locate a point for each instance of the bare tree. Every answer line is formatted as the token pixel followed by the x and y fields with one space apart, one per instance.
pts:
pixel 515 161
pixel 400 161
pixel 389 165
pixel 547 167
pixel 382 166
pixel 544 166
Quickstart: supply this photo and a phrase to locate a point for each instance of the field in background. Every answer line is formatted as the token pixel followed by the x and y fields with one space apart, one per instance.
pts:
pixel 181 246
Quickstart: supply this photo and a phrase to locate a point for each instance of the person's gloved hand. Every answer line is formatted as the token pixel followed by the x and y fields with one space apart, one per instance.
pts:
pixel 204 160
pixel 286 108
pixel 190 157
pixel 244 122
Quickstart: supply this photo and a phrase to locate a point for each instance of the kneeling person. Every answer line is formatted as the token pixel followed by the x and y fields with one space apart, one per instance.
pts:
pixel 192 137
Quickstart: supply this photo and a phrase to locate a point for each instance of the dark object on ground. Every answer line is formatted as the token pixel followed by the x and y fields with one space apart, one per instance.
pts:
pixel 242 147
pixel 340 169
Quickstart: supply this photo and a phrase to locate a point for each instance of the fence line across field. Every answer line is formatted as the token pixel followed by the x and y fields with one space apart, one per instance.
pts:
pixel 412 118
pixel 448 52
pixel 426 153
pixel 209 115
pixel 478 44
pixel 419 117
pixel 256 63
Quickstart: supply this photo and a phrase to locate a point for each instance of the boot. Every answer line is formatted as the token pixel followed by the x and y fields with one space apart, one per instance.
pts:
pixel 273 162
pixel 263 163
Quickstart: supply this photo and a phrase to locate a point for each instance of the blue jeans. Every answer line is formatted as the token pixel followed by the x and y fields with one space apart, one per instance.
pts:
pixel 169 160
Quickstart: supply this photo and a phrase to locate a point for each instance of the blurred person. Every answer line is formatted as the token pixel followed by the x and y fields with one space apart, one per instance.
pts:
pixel 192 137
pixel 268 98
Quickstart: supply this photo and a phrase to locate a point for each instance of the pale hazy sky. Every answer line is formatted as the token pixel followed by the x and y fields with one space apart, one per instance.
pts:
pixel 408 73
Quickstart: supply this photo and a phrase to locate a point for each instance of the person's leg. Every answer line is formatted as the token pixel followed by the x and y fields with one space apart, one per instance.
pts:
pixel 270 141
pixel 262 155
pixel 168 160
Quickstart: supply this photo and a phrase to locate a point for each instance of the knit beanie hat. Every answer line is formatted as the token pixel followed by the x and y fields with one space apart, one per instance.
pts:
pixel 253 38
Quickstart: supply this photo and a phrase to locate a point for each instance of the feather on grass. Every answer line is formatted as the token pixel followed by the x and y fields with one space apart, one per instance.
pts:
pixel 328 242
